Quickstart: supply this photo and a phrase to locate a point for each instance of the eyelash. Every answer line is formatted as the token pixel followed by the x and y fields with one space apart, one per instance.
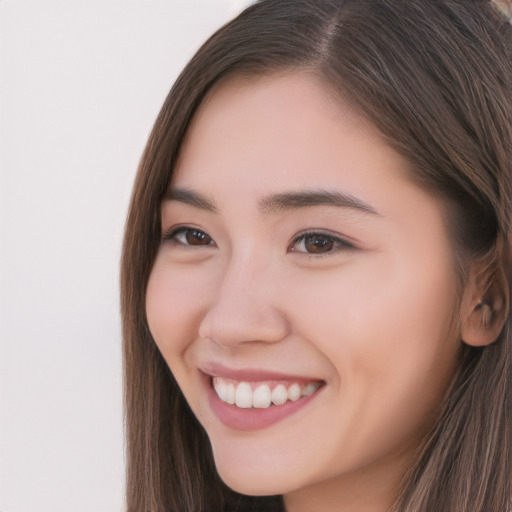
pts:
pixel 338 243
pixel 172 234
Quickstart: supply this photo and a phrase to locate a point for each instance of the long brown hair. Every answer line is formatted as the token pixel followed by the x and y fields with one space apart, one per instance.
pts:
pixel 435 77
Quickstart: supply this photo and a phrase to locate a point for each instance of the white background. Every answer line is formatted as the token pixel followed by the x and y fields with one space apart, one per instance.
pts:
pixel 81 83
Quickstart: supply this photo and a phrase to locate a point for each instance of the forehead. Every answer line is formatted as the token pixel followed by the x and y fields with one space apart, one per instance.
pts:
pixel 255 138
pixel 287 127
pixel 277 97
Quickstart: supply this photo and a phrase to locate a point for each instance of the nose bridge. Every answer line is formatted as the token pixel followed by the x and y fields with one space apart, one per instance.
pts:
pixel 245 306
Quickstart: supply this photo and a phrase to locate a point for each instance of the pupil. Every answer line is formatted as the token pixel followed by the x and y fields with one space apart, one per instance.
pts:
pixel 196 237
pixel 318 243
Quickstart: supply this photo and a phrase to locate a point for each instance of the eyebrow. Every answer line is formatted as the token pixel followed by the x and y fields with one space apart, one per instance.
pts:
pixel 191 198
pixel 278 202
pixel 306 198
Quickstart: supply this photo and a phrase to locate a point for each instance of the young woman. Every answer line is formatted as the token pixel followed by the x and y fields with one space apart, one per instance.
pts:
pixel 317 264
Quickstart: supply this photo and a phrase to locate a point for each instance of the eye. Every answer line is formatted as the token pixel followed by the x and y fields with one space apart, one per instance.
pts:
pixel 314 242
pixel 188 236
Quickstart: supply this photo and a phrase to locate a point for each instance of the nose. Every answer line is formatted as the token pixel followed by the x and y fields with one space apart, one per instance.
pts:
pixel 246 306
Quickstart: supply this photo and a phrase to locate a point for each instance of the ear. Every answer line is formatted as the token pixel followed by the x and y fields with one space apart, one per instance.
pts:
pixel 485 306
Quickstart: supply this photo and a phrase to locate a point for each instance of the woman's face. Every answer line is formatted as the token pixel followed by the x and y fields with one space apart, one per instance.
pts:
pixel 299 264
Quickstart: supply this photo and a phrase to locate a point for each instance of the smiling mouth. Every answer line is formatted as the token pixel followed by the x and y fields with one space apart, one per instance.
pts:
pixel 261 395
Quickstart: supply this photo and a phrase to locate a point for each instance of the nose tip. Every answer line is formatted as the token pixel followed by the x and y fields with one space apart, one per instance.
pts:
pixel 243 315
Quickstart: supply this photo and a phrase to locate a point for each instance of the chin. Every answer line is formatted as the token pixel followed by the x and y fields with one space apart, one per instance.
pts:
pixel 254 481
pixel 252 486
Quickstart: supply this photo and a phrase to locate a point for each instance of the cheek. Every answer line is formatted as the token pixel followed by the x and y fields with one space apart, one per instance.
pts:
pixel 387 331
pixel 382 302
pixel 174 300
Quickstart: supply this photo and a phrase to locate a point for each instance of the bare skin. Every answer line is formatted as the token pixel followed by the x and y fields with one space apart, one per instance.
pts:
pixel 353 286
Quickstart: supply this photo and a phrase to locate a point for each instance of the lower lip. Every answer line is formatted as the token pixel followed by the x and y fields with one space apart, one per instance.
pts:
pixel 253 418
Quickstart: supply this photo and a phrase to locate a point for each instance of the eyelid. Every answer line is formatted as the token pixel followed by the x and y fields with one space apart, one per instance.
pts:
pixel 170 234
pixel 342 243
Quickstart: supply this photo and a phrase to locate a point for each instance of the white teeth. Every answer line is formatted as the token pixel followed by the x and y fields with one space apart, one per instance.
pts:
pixel 220 387
pixel 261 397
pixel 310 388
pixel 230 393
pixel 242 394
pixel 294 392
pixel 279 395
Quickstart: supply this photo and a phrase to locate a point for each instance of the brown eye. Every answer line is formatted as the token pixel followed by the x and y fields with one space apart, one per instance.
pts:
pixel 197 237
pixel 191 237
pixel 319 243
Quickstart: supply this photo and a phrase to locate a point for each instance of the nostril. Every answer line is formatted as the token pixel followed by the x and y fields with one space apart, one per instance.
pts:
pixel 251 322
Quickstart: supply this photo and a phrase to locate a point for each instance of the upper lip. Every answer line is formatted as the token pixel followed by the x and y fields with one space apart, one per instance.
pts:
pixel 216 369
